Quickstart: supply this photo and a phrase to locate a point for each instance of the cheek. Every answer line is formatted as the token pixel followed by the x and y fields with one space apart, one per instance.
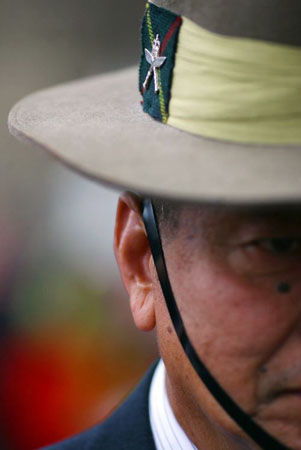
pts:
pixel 234 326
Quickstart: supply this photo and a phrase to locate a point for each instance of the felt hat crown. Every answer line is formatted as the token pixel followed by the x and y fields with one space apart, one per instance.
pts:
pixel 221 100
pixel 267 20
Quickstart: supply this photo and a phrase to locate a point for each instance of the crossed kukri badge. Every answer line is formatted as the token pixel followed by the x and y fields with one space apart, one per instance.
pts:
pixel 155 62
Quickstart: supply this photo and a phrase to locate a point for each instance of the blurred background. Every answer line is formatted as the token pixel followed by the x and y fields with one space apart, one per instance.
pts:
pixel 69 351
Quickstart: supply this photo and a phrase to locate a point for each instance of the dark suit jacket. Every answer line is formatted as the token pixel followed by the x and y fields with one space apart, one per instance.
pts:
pixel 128 428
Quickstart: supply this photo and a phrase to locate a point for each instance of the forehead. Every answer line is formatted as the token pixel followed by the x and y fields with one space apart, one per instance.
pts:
pixel 220 220
pixel 183 219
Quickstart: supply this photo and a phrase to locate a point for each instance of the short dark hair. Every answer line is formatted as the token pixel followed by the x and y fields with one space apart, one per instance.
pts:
pixel 168 215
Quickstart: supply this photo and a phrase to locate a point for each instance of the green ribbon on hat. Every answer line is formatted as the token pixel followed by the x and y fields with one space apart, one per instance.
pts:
pixel 165 24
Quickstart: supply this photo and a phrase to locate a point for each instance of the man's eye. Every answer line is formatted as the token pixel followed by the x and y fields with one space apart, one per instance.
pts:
pixel 268 256
pixel 280 246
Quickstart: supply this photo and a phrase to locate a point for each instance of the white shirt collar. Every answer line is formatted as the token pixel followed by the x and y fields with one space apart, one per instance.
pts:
pixel 167 432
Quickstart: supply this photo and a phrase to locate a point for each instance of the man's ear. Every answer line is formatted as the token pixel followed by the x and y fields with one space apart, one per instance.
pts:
pixel 134 259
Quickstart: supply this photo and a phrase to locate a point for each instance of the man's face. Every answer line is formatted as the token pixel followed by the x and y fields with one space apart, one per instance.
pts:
pixel 236 277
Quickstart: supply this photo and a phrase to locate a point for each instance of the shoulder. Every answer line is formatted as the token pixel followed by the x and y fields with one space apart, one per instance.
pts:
pixel 128 428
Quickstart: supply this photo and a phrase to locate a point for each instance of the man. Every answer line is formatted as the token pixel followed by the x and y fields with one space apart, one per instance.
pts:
pixel 209 250
pixel 227 268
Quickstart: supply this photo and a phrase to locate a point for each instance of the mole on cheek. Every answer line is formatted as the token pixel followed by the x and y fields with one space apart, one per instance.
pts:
pixel 169 329
pixel 283 288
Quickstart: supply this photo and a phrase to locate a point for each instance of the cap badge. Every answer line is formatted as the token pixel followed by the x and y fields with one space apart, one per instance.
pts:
pixel 155 62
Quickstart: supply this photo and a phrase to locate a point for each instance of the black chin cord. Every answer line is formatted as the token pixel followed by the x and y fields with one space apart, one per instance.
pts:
pixel 261 437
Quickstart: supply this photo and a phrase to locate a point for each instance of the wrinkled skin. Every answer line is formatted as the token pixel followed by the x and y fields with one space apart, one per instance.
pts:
pixel 225 266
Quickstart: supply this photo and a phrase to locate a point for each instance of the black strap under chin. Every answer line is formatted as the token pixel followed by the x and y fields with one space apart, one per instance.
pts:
pixel 261 437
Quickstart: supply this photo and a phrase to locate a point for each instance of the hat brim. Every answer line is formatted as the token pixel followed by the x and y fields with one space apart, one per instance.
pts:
pixel 97 127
